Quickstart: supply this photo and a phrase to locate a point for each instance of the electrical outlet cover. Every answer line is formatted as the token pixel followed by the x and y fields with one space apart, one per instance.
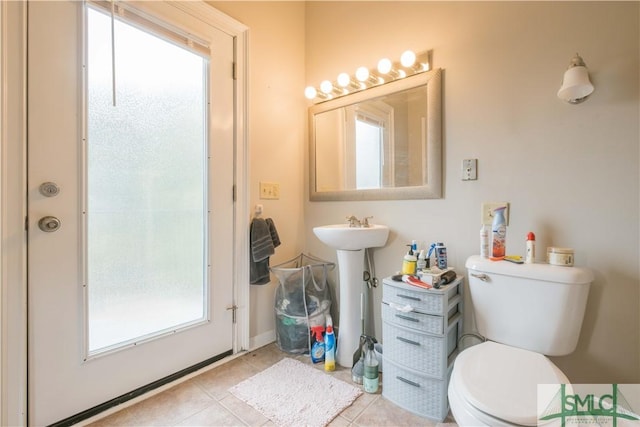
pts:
pixel 489 207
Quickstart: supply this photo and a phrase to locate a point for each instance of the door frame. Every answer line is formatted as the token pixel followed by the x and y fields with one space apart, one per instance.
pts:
pixel 13 200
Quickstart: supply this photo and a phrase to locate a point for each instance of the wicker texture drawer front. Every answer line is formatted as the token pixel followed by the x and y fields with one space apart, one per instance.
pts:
pixel 414 350
pixel 413 320
pixel 419 300
pixel 420 329
pixel 421 395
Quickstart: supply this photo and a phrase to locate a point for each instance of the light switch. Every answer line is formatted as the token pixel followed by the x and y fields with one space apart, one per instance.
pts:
pixel 269 190
pixel 469 169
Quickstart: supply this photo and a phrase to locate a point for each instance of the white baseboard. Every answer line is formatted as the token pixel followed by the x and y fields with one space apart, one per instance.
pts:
pixel 262 339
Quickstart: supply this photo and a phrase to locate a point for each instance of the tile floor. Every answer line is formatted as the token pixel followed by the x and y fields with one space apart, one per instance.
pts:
pixel 204 400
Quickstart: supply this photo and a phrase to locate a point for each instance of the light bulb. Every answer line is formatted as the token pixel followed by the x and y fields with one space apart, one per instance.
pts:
pixel 310 92
pixel 344 79
pixel 408 58
pixel 384 65
pixel 362 74
pixel 326 87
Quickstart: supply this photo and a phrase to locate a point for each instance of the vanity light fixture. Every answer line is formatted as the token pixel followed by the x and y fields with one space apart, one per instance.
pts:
pixel 576 86
pixel 386 67
pixel 410 64
pixel 364 76
pixel 310 92
pixel 330 90
pixel 408 58
pixel 344 81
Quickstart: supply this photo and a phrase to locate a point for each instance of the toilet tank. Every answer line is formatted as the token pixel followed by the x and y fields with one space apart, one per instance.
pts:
pixel 538 307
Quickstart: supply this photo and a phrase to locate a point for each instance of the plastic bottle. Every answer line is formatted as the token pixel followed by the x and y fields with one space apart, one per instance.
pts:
pixel 317 349
pixel 422 261
pixel 370 379
pixel 530 256
pixel 441 255
pixel 499 229
pixel 329 347
pixel 484 241
pixel 409 263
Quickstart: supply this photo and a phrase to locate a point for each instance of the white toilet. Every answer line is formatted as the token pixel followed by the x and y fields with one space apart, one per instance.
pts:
pixel 525 311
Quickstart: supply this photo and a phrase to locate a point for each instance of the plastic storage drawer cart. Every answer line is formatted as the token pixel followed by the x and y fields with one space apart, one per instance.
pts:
pixel 303 299
pixel 420 330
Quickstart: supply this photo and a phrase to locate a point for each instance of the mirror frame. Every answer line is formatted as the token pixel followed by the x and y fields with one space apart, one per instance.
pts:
pixel 433 185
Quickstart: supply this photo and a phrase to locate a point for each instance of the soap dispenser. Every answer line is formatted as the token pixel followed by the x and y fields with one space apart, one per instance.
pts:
pixel 409 262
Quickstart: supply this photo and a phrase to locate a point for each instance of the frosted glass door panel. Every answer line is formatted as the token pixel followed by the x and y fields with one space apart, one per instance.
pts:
pixel 146 205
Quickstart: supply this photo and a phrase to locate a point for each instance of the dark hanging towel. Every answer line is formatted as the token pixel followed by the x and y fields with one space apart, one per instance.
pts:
pixel 264 239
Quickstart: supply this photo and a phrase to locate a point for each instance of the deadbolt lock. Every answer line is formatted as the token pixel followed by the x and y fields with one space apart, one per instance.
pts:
pixel 49 189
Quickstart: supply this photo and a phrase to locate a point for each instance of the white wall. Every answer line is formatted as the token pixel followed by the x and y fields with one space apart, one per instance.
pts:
pixel 570 172
pixel 276 128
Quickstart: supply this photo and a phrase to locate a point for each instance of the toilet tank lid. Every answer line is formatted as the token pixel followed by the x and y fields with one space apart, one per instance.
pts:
pixel 538 271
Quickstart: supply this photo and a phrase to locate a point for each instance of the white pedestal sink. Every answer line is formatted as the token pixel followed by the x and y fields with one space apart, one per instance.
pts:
pixel 350 243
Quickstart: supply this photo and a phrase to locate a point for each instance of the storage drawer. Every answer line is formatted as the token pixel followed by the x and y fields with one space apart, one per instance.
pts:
pixel 414 350
pixel 426 301
pixel 421 395
pixel 414 320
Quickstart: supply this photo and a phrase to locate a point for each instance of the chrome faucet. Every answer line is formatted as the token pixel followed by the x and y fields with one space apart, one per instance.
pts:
pixel 356 223
pixel 353 221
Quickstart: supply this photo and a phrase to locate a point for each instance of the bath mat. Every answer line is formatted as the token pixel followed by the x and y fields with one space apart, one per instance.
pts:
pixel 291 393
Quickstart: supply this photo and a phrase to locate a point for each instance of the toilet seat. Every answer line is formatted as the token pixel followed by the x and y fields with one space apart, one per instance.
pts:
pixel 499 382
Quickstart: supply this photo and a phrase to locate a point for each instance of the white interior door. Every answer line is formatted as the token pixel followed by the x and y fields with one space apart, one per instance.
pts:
pixel 130 277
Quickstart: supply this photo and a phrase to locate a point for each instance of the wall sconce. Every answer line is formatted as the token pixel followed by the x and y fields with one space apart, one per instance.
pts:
pixel 576 86
pixel 409 64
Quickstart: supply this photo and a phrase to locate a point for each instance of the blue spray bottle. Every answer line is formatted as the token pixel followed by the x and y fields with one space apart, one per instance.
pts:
pixel 317 349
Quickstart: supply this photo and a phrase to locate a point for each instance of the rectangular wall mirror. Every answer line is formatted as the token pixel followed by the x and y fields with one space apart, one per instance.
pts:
pixel 381 143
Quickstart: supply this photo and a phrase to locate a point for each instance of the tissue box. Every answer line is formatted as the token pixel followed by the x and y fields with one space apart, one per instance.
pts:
pixel 433 275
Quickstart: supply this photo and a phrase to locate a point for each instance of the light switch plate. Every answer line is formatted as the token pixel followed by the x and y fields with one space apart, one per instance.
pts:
pixel 489 207
pixel 469 169
pixel 269 190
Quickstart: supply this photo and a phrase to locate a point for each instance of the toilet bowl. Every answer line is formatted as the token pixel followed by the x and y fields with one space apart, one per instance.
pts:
pixel 526 312
pixel 497 385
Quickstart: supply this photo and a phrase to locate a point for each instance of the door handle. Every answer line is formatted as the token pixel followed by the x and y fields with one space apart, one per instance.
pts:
pixel 49 224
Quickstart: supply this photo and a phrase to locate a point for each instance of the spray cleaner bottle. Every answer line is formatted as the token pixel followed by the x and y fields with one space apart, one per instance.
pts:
pixel 317 349
pixel 329 347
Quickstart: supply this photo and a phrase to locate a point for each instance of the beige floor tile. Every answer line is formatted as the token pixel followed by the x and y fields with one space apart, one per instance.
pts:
pixel 357 407
pixel 205 401
pixel 213 415
pixel 163 409
pixel 243 411
pixel 382 413
pixel 267 356
pixel 217 381
pixel 339 422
